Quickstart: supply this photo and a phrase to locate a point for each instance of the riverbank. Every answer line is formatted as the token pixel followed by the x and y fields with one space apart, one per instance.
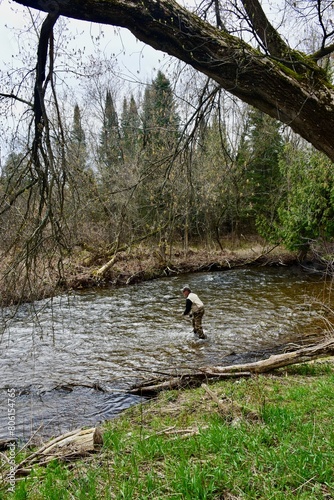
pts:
pixel 82 270
pixel 144 263
pixel 267 436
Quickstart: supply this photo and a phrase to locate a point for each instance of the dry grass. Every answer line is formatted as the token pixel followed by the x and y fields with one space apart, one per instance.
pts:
pixel 52 275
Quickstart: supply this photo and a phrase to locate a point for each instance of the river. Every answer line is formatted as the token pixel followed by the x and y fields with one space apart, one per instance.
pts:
pixel 71 359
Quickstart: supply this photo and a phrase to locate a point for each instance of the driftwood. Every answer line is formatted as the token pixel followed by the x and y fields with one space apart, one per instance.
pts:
pixel 303 355
pixel 102 270
pixel 181 382
pixel 69 446
pixel 195 379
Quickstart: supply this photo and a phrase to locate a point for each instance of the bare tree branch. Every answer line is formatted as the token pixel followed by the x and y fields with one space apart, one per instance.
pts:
pixel 39 108
pixel 16 98
pixel 270 38
pixel 293 90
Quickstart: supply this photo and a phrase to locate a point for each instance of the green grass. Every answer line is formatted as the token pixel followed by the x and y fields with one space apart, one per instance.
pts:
pixel 182 446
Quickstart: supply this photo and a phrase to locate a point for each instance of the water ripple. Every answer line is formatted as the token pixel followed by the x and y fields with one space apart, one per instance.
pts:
pixel 109 338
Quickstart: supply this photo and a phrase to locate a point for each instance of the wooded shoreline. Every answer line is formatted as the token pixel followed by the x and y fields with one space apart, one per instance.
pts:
pixel 149 263
pixel 82 443
pixel 81 271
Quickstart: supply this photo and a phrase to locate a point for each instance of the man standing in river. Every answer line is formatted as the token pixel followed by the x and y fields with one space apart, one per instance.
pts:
pixel 195 310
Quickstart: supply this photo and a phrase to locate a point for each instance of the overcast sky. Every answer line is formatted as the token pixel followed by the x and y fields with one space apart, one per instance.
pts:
pixel 133 56
pixel 136 62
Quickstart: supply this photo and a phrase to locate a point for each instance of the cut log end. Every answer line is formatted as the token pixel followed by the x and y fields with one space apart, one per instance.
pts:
pixel 67 447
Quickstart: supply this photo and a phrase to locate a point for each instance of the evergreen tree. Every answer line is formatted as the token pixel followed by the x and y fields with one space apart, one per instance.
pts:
pixel 160 119
pixel 77 134
pixel 131 129
pixel 76 146
pixel 306 213
pixel 264 145
pixel 160 134
pixel 110 152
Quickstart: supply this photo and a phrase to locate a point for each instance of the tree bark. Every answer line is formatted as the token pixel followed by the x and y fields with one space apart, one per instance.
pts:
pixel 69 446
pixel 303 355
pixel 294 91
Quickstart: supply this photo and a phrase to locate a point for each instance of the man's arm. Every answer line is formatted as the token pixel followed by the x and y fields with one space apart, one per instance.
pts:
pixel 188 307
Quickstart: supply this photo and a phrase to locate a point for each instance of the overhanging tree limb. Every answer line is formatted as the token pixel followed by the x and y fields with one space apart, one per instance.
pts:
pixel 269 37
pixel 46 32
pixel 323 52
pixel 300 97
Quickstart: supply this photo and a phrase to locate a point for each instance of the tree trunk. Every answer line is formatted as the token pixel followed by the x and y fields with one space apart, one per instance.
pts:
pixel 69 446
pixel 294 91
pixel 303 355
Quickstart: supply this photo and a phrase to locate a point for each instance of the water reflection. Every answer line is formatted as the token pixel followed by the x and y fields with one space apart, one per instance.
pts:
pixel 109 338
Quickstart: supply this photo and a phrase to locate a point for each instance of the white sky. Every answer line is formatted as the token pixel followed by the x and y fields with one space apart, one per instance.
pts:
pixel 135 61
pixel 133 56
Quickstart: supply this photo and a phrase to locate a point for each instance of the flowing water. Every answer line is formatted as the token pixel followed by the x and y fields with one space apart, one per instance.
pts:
pixel 72 359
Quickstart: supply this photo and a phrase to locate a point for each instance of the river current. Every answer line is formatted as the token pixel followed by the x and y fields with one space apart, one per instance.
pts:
pixel 72 359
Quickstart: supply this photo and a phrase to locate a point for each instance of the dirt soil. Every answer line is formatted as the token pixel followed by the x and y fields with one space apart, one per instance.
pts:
pixel 144 264
pixel 84 269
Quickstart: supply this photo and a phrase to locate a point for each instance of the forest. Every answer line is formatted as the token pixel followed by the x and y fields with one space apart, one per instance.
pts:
pixel 175 164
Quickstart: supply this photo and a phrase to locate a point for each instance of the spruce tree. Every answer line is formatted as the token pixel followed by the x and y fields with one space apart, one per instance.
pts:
pixel 160 124
pixel 160 119
pixel 264 144
pixel 77 133
pixel 76 146
pixel 110 152
pixel 130 129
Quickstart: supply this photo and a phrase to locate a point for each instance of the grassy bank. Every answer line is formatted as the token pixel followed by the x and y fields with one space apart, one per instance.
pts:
pixel 271 437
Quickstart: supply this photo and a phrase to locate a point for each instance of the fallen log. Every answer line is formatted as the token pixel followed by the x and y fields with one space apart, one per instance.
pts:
pixel 275 361
pixel 182 382
pixel 69 446
pixel 195 379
